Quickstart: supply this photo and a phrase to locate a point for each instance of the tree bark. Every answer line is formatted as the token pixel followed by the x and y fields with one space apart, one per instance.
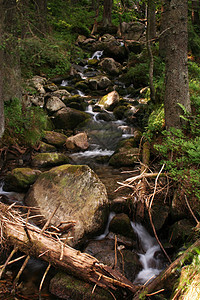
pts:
pixel 34 242
pixel 176 76
pixel 107 13
pixel 151 33
pixel 1 75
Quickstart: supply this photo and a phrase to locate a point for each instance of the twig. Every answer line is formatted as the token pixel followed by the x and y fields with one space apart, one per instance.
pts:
pixel 115 251
pixel 14 260
pixel 155 187
pixel 43 278
pixel 152 294
pixel 186 200
pixel 49 220
pixel 21 270
pixel 7 261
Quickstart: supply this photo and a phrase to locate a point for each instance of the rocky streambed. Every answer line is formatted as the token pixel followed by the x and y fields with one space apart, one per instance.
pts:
pixel 94 143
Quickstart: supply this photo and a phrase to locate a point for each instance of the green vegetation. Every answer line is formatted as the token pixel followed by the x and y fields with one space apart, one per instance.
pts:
pixel 24 126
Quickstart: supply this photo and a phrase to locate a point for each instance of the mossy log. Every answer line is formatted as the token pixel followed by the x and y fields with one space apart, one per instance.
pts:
pixel 33 241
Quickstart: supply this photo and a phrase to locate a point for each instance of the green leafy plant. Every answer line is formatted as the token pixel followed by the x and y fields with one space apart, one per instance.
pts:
pixel 24 125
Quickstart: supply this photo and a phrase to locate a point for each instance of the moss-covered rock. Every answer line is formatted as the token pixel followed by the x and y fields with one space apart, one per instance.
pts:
pixel 43 160
pixel 68 287
pixel 80 194
pixel 56 139
pixel 109 101
pixel 44 147
pixel 125 156
pixel 119 112
pixel 69 118
pixel 20 179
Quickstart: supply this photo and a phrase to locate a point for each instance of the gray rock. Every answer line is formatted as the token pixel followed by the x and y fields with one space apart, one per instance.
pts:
pixel 54 104
pixel 81 197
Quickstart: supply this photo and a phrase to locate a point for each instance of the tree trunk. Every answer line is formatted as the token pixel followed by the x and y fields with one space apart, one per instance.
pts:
pixel 107 13
pixel 1 75
pixel 151 33
pixel 195 12
pixel 176 77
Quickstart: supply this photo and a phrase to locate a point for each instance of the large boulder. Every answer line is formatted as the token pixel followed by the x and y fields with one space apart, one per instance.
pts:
pixel 109 101
pixel 20 179
pixel 99 82
pixel 46 160
pixel 111 47
pixel 69 118
pixel 79 195
pixel 77 142
pixel 56 139
pixel 132 30
pixel 127 261
pixel 54 104
pixel 125 156
pixel 110 66
pixel 39 82
pixel 68 287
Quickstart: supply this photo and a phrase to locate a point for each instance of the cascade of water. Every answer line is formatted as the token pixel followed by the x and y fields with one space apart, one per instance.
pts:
pixel 97 55
pixel 103 235
pixel 64 83
pixel 149 260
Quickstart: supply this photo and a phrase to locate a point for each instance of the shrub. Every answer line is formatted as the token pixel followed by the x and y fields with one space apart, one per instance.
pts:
pixel 23 125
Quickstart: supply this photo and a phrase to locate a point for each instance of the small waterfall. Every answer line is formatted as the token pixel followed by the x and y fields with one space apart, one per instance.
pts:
pixel 150 261
pixel 64 83
pixel 97 55
pixel 103 235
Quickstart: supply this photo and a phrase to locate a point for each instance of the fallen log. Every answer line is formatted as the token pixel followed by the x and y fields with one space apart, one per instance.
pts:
pixel 158 282
pixel 30 239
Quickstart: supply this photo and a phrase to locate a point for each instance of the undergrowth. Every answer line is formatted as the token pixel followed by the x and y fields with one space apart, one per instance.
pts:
pixel 24 125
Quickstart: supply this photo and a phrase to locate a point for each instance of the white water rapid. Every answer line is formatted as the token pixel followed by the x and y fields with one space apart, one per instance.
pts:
pixel 149 257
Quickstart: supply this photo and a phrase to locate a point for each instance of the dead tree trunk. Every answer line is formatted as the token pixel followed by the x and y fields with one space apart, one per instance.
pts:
pixel 34 242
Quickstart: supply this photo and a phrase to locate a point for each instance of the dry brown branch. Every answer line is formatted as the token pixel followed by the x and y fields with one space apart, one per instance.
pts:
pixel 44 276
pixel 49 220
pixel 189 207
pixel 7 261
pixel 48 248
pixel 21 270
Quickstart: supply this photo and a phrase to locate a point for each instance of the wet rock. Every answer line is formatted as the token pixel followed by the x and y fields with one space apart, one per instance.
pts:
pixel 44 147
pixel 36 100
pixel 93 61
pixel 54 104
pixel 121 224
pixel 110 66
pixel 43 160
pixel 81 196
pixel 160 214
pixel 109 101
pixel 20 179
pixel 111 47
pixel 68 287
pixel 125 156
pixel 127 261
pixel 50 87
pixel 119 112
pixel 132 30
pixel 39 82
pixel 180 232
pixel 77 142
pixel 56 139
pixel 105 116
pixel 99 82
pixel 69 118
pixel 61 93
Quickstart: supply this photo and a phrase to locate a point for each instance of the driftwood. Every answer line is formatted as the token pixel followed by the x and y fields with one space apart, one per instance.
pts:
pixel 31 240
